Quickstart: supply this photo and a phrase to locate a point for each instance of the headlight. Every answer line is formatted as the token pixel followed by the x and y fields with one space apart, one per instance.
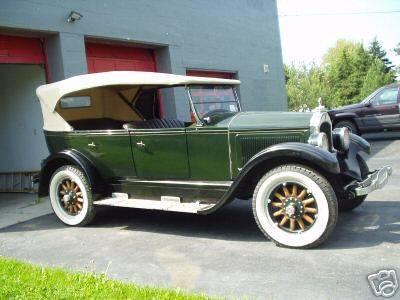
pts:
pixel 341 139
pixel 320 140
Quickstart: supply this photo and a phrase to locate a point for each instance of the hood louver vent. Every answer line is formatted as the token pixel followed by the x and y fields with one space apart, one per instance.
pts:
pixel 250 145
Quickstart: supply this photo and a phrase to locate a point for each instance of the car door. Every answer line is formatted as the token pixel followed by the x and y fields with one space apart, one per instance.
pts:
pixel 160 153
pixel 110 151
pixel 209 154
pixel 383 110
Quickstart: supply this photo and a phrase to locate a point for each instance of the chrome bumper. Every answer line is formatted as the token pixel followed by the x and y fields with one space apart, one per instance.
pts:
pixel 374 181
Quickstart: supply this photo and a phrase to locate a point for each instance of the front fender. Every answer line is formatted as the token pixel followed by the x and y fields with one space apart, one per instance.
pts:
pixel 68 157
pixel 349 164
pixel 298 151
pixel 286 152
pixel 357 143
pixel 344 115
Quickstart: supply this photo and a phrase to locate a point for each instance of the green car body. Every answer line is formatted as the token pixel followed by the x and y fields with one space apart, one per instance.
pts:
pixel 200 166
pixel 212 153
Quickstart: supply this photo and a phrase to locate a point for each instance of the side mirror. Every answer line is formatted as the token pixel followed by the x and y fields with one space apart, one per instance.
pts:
pixel 368 104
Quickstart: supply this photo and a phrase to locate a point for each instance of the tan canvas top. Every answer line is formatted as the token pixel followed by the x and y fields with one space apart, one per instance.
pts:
pixel 50 94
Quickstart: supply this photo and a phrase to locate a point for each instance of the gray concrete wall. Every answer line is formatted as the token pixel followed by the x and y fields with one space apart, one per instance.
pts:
pixel 22 141
pixel 231 35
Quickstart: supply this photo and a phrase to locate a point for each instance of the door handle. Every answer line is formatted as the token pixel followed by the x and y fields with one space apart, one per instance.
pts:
pixel 141 144
pixel 92 144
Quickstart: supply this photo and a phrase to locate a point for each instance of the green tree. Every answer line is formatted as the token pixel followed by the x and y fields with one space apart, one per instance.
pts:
pixel 397 49
pixel 375 78
pixel 377 51
pixel 347 74
pixel 346 66
pixel 305 84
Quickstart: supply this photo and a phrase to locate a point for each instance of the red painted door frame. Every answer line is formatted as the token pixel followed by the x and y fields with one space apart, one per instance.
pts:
pixel 23 50
pixel 108 57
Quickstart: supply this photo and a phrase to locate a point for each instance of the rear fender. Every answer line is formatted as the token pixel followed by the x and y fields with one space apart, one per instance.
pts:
pixel 69 157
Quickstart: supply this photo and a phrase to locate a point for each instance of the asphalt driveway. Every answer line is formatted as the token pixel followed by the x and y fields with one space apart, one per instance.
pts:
pixel 224 253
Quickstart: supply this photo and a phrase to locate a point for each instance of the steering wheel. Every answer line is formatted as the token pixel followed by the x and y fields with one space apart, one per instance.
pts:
pixel 214 112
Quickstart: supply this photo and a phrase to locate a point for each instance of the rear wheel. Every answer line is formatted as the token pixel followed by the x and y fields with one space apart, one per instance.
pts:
pixel 295 206
pixel 350 125
pixel 71 196
pixel 350 204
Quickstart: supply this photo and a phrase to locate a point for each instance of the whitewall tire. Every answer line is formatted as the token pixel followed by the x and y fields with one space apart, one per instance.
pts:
pixel 295 206
pixel 71 196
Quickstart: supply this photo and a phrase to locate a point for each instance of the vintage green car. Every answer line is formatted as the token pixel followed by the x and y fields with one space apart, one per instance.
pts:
pixel 109 146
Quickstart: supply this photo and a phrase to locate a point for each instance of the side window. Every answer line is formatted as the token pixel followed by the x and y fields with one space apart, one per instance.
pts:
pixel 75 102
pixel 386 97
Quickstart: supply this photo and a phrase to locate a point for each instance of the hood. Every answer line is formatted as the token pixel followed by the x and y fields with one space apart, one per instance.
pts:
pixel 269 120
pixel 349 107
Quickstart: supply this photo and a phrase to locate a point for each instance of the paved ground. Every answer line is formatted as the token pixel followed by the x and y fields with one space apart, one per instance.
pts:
pixel 17 208
pixel 223 253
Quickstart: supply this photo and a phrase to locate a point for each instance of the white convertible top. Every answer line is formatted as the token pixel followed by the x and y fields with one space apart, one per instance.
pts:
pixel 50 94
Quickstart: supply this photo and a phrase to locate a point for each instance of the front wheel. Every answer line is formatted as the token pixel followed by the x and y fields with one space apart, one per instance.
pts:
pixel 295 206
pixel 71 196
pixel 350 125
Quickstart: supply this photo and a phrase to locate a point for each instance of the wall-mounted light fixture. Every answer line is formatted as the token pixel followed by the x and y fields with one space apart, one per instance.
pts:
pixel 74 16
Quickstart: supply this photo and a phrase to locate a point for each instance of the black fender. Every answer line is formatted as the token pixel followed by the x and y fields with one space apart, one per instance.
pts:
pixel 349 164
pixel 68 157
pixel 346 116
pixel 293 152
pixel 357 143
pixel 299 151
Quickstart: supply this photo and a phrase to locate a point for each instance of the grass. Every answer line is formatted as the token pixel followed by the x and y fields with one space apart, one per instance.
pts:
pixel 25 281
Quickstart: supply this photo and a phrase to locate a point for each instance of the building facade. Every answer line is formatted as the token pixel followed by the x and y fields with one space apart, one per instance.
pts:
pixel 49 40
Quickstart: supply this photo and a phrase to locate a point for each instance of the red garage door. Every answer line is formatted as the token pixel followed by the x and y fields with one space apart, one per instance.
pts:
pixel 215 74
pixel 21 50
pixel 102 58
pixel 21 72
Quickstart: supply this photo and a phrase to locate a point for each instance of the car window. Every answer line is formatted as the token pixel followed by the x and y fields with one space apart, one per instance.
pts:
pixel 386 97
pixel 75 102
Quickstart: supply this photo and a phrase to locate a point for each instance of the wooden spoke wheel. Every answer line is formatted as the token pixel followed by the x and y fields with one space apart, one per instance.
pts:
pixel 295 206
pixel 71 196
pixel 292 207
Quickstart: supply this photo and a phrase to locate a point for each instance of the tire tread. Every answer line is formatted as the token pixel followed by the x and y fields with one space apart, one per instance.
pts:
pixel 326 188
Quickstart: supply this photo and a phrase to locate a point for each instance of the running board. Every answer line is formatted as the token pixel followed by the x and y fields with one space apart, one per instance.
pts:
pixel 167 203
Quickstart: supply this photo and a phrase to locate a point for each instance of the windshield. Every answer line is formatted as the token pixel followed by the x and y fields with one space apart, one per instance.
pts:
pixel 371 95
pixel 212 100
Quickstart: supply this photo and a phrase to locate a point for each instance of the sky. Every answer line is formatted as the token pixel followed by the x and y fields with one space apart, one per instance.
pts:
pixel 310 27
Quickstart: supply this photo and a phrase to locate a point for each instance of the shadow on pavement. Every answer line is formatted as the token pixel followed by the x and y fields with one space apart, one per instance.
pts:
pixel 373 223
